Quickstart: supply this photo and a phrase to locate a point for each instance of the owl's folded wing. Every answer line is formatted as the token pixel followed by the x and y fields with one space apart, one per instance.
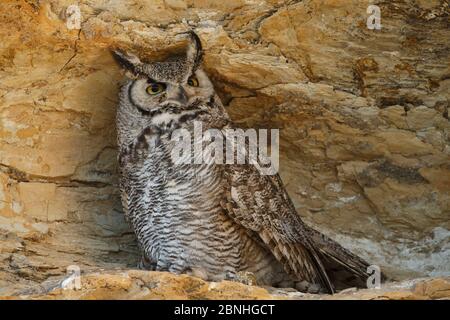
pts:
pixel 260 203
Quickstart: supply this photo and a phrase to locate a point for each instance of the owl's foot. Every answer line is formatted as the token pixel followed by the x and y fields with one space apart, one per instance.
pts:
pixel 307 287
pixel 243 277
pixel 197 272
pixel 146 264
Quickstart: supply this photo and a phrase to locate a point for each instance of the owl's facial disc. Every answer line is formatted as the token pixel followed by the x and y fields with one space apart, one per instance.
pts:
pixel 148 94
pixel 178 82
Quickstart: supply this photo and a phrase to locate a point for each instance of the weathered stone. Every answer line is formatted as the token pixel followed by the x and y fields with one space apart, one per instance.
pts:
pixel 144 285
pixel 363 118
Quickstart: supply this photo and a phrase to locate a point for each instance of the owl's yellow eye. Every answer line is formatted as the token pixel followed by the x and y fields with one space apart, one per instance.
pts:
pixel 193 82
pixel 155 88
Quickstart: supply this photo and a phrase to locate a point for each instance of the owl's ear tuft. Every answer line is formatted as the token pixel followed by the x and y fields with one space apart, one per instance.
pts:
pixel 194 53
pixel 131 63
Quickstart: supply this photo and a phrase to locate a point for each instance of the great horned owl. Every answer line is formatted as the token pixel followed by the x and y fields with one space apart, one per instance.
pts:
pixel 211 220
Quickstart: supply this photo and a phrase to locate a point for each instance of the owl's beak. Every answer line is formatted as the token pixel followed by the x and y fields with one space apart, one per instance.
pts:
pixel 177 95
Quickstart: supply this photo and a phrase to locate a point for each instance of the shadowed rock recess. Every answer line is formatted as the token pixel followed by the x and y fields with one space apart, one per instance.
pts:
pixel 363 119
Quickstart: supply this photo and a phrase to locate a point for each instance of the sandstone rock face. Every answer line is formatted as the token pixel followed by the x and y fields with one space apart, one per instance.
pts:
pixel 363 119
pixel 150 285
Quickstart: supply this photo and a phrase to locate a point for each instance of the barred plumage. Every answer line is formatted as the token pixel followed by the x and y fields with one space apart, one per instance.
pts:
pixel 210 220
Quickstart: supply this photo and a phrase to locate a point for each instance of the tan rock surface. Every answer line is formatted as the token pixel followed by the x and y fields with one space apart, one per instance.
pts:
pixel 134 284
pixel 363 114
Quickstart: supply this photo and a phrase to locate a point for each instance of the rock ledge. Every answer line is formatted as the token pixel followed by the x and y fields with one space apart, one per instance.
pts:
pixel 136 284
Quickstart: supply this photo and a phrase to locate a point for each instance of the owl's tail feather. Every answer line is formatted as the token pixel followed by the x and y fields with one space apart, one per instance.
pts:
pixel 335 255
pixel 299 260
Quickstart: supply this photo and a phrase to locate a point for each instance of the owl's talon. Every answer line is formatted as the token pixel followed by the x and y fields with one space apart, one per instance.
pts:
pixel 244 277
pixel 307 287
pixel 198 273
pixel 146 264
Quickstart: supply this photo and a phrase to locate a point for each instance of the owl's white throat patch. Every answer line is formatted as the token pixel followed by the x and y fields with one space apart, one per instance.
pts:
pixel 165 118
